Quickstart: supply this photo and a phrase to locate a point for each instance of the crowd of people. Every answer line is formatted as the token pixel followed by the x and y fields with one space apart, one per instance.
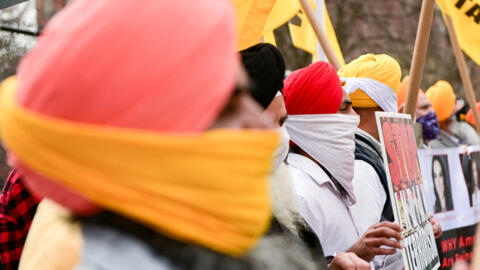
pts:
pixel 152 143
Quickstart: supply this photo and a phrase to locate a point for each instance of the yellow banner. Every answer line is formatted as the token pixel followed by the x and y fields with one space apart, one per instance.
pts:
pixel 466 19
pixel 282 12
pixel 303 36
pixel 252 16
pixel 259 18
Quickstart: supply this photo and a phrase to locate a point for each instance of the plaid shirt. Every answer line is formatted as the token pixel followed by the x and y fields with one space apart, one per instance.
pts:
pixel 17 208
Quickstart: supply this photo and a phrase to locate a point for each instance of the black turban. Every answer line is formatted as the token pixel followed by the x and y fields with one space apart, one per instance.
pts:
pixel 265 66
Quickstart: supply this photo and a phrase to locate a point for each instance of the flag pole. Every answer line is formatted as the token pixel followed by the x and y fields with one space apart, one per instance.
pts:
pixel 419 54
pixel 15 30
pixel 321 36
pixel 462 67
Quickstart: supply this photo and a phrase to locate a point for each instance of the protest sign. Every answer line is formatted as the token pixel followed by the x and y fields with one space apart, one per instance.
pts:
pixel 452 190
pixel 407 191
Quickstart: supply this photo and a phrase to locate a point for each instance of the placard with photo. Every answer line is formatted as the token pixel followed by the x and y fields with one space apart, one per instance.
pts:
pixel 407 191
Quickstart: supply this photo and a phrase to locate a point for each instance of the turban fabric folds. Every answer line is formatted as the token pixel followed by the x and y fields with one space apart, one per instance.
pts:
pixel 371 81
pixel 443 98
pixel 315 89
pixel 141 68
pixel 402 91
pixel 469 118
pixel 117 117
pixel 266 67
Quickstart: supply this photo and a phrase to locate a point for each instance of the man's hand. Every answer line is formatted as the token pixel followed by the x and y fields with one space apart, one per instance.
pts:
pixel 348 261
pixel 462 265
pixel 437 229
pixel 386 234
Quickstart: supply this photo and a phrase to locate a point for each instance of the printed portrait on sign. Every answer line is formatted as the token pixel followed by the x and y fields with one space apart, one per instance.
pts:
pixel 441 184
pixel 471 172
pixel 473 186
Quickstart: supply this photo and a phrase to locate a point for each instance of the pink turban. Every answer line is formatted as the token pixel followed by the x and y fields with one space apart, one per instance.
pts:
pixel 156 65
pixel 134 64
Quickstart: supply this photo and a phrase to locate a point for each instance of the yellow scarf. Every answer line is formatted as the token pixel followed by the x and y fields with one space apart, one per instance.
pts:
pixel 210 188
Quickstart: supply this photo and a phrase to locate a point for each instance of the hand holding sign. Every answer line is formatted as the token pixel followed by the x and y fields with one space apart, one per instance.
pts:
pixel 347 261
pixel 437 229
pixel 380 239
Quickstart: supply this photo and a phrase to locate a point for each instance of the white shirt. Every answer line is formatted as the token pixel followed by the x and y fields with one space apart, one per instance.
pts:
pixel 476 197
pixel 371 198
pixel 370 194
pixel 322 206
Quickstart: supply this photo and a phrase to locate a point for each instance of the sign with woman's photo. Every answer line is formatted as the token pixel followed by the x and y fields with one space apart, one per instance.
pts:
pixel 453 195
pixel 407 192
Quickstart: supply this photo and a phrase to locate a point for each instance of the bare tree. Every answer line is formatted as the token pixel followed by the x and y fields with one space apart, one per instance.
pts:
pixel 14 46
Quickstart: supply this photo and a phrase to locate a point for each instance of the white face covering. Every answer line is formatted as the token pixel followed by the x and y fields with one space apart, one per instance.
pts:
pixel 330 140
pixel 282 149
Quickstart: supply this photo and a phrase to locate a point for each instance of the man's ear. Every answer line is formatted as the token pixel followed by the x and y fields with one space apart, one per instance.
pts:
pixel 401 108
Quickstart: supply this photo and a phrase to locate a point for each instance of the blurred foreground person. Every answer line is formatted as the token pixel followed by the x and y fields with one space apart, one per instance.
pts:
pixel 151 141
pixel 266 67
pixel 452 133
pixel 321 163
pixel 17 209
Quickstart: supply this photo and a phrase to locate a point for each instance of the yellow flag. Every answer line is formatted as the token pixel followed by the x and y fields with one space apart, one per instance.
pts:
pixel 303 36
pixel 251 18
pixel 465 15
pixel 282 12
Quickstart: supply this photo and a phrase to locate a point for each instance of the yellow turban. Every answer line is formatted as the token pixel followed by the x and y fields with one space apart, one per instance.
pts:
pixel 442 97
pixel 379 67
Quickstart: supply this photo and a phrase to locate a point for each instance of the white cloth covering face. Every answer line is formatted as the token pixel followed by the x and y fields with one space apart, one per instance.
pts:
pixel 330 140
pixel 281 152
pixel 379 92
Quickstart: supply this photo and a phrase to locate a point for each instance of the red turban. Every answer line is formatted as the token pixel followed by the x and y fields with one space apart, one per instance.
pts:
pixel 315 89
pixel 144 65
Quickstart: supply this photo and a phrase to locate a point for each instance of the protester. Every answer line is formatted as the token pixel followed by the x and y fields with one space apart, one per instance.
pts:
pixel 266 67
pixel 425 115
pixel 469 117
pixel 321 163
pixel 452 133
pixel 17 209
pixel 133 153
pixel 372 83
